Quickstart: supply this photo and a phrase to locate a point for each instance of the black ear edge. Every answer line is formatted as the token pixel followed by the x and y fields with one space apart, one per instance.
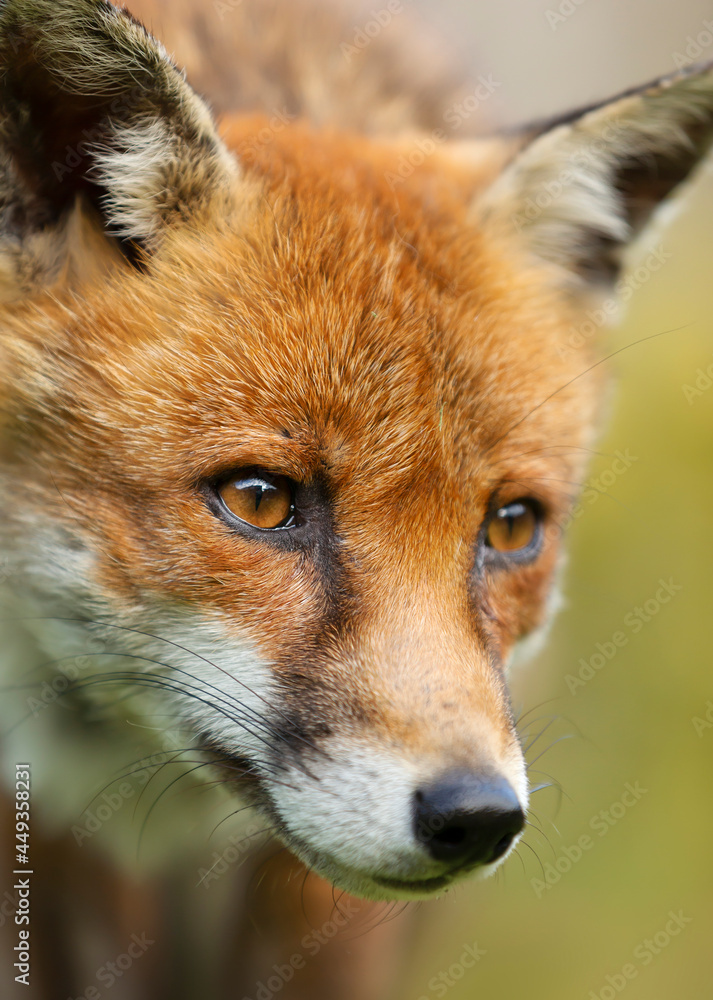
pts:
pixel 527 132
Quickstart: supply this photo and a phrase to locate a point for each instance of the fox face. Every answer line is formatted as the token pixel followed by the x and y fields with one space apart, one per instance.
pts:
pixel 295 437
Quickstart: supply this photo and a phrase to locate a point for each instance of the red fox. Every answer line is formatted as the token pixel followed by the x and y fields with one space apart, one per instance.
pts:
pixel 290 422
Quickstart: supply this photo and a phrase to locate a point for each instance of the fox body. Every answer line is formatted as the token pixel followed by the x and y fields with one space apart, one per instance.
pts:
pixel 274 308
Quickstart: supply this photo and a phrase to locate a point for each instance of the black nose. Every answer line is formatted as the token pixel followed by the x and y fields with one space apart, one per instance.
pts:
pixel 467 818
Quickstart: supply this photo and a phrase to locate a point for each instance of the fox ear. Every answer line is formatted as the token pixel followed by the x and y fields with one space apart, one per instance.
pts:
pixel 581 188
pixel 91 106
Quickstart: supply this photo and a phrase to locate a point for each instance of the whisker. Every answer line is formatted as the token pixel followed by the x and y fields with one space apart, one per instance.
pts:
pixel 586 371
pixel 534 709
pixel 234 812
pixel 238 846
pixel 163 792
pixel 126 775
pixel 176 645
pixel 260 873
pixel 167 684
pixel 516 853
pixel 303 906
pixel 542 732
pixel 543 835
pixel 525 844
pixel 567 736
pixel 533 722
pixel 222 695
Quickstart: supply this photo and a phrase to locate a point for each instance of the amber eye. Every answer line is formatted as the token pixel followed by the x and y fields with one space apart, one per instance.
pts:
pixel 260 499
pixel 513 527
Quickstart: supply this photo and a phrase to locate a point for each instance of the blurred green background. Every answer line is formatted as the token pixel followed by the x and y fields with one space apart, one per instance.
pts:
pixel 641 718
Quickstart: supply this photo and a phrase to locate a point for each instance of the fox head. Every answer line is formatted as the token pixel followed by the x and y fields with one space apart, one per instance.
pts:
pixel 295 433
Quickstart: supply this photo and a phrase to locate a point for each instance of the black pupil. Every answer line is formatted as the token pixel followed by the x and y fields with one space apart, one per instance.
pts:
pixel 511 514
pixel 259 488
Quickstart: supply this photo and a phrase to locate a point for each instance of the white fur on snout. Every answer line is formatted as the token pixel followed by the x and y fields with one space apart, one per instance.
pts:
pixel 356 810
pixel 352 818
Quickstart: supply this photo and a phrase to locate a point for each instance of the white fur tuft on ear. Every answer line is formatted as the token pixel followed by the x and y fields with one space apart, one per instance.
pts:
pixel 153 176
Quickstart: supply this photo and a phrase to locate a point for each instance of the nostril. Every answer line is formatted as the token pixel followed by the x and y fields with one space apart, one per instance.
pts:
pixel 501 847
pixel 452 836
pixel 467 818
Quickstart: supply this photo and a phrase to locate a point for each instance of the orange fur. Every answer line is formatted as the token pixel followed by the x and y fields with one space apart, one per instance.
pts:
pixel 424 337
pixel 283 295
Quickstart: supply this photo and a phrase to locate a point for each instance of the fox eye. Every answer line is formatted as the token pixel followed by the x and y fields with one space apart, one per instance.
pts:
pixel 259 498
pixel 513 527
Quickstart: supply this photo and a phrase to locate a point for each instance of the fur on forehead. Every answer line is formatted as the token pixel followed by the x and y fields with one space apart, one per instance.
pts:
pixel 288 318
